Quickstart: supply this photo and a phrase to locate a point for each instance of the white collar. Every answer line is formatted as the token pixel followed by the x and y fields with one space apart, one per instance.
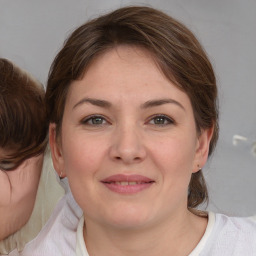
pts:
pixel 82 251
pixel 200 246
pixel 80 244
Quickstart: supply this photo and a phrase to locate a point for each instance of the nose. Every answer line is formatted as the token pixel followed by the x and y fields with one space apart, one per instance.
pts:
pixel 127 146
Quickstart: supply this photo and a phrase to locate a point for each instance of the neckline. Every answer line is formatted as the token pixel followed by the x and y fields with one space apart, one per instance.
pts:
pixel 82 251
pixel 200 246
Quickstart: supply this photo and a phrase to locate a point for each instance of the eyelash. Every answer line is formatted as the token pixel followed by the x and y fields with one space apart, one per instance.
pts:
pixel 89 120
pixel 6 166
pixel 161 116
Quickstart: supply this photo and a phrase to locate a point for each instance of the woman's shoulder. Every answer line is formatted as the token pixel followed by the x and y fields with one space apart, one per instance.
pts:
pixel 243 225
pixel 58 236
pixel 231 236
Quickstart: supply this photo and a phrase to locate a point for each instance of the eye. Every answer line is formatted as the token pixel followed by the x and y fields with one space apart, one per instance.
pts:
pixel 7 166
pixel 94 120
pixel 161 120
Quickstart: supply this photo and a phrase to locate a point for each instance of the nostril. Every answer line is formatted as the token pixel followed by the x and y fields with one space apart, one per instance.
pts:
pixel 126 158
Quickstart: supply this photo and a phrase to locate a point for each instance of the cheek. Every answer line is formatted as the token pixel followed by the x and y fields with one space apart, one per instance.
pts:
pixel 19 186
pixel 174 156
pixel 82 155
pixel 5 189
pixel 83 161
pixel 24 183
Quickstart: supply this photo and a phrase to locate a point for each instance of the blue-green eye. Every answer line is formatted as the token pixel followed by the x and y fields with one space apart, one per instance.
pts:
pixel 94 120
pixel 161 120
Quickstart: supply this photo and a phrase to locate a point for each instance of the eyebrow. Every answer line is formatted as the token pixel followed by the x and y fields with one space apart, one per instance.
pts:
pixel 155 103
pixel 147 104
pixel 95 102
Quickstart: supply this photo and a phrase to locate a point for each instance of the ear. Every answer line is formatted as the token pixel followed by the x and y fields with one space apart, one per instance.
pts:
pixel 56 151
pixel 202 150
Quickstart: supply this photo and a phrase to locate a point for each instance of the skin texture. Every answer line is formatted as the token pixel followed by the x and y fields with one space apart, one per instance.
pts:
pixel 18 189
pixel 157 140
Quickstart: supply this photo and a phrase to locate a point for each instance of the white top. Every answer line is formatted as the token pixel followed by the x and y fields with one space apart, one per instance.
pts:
pixel 58 237
pixel 224 236
pixel 63 235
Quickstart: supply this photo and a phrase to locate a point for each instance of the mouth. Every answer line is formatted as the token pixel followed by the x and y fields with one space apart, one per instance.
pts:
pixel 127 184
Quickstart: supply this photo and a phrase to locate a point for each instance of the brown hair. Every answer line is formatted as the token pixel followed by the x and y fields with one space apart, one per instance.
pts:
pixel 23 122
pixel 175 49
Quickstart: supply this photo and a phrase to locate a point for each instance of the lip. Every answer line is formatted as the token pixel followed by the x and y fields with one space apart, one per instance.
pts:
pixel 127 184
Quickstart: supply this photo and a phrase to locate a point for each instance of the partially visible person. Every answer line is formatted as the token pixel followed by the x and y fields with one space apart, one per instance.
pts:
pixel 23 155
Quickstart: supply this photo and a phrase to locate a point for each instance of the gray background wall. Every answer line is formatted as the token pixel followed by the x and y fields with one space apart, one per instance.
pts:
pixel 32 31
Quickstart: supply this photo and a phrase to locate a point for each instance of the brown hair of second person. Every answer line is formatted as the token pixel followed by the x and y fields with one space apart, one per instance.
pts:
pixel 22 115
pixel 176 51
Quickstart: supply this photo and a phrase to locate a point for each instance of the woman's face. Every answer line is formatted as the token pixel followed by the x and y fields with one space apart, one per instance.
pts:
pixel 128 141
pixel 18 189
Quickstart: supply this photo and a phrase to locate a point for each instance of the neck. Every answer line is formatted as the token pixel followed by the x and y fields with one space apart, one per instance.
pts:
pixel 177 236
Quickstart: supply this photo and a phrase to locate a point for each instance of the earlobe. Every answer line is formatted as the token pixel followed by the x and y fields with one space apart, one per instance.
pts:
pixel 56 151
pixel 203 148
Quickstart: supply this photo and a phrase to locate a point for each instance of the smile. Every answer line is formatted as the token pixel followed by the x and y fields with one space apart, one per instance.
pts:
pixel 127 184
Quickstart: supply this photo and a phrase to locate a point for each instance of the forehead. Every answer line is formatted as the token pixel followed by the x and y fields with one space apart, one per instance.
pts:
pixel 123 70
